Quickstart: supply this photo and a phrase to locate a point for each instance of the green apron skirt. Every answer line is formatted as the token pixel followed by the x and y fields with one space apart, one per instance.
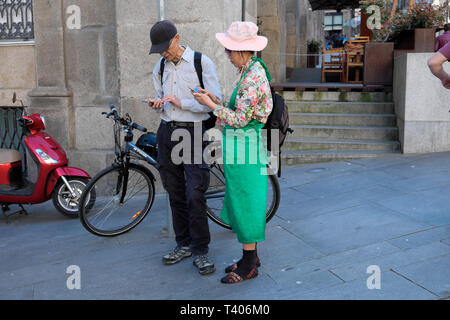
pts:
pixel 245 165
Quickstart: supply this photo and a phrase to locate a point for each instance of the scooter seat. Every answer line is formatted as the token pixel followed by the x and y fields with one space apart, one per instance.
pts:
pixel 9 156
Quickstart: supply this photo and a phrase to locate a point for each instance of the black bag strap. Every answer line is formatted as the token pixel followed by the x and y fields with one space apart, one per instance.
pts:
pixel 161 69
pixel 197 65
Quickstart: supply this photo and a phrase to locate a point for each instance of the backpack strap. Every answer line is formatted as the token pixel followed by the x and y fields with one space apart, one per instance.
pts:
pixel 161 69
pixel 198 67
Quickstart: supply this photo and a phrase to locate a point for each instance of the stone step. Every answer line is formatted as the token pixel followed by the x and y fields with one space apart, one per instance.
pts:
pixel 340 107
pixel 338 96
pixel 345 132
pixel 343 119
pixel 293 144
pixel 315 156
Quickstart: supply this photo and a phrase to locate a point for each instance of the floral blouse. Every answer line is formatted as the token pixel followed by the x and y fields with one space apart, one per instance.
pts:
pixel 253 100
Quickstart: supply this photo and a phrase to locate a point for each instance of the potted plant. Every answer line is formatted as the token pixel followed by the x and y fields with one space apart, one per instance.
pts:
pixel 415 30
pixel 412 29
pixel 378 53
pixel 313 51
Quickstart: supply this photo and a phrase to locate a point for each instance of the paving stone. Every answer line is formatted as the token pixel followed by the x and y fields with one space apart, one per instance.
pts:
pixel 296 286
pixel 393 287
pixel 345 183
pixel 393 260
pixel 22 293
pixel 420 182
pixel 432 274
pixel 352 228
pixel 359 254
pixel 429 207
pixel 422 237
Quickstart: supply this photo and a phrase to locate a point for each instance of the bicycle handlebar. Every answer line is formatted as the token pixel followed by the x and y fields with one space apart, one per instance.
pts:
pixel 132 125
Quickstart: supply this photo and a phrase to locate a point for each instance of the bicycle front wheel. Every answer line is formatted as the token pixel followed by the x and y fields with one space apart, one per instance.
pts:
pixel 124 196
pixel 216 192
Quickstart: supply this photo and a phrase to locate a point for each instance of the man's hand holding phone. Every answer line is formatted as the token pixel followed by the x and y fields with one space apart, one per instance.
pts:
pixel 155 104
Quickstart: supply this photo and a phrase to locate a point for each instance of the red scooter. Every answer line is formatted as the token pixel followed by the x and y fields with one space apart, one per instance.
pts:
pixel 56 180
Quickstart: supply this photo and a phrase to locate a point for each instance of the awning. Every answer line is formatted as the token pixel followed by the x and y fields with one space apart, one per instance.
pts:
pixel 333 5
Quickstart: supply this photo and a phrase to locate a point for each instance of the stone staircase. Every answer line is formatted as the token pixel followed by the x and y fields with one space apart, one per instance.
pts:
pixel 334 126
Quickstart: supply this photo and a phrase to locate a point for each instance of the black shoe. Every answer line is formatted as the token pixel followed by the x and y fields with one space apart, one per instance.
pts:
pixel 203 264
pixel 234 277
pixel 178 254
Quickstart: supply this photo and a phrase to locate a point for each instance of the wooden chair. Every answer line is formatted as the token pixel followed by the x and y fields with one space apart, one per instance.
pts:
pixel 354 58
pixel 363 39
pixel 335 64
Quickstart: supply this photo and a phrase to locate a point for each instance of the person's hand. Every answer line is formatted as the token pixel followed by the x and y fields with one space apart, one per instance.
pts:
pixel 173 100
pixel 210 95
pixel 155 104
pixel 204 99
pixel 446 82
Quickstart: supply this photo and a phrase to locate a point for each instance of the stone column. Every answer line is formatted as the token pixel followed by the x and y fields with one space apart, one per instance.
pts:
pixel 421 105
pixel 77 77
pixel 273 26
pixel 51 97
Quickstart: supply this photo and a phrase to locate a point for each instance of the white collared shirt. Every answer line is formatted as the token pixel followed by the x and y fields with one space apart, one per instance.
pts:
pixel 178 80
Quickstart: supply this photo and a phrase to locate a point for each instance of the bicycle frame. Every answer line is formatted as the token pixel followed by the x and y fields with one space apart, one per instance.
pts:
pixel 130 147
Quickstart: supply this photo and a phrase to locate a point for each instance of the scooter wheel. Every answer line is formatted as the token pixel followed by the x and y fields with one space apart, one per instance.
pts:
pixel 64 201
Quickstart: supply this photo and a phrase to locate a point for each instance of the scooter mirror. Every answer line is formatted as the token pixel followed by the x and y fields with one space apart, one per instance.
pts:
pixel 14 98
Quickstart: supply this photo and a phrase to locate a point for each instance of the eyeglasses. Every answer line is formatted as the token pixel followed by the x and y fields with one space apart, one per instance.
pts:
pixel 228 52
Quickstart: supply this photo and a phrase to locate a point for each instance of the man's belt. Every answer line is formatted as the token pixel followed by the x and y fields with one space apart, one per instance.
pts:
pixel 178 124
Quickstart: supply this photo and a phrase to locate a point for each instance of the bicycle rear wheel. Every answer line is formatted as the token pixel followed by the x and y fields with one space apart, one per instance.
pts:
pixel 216 192
pixel 124 196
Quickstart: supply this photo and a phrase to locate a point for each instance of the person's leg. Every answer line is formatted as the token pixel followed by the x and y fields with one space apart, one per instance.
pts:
pixel 249 246
pixel 197 180
pixel 174 183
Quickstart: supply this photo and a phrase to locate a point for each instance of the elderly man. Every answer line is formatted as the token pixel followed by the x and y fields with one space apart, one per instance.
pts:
pixel 186 183
pixel 436 63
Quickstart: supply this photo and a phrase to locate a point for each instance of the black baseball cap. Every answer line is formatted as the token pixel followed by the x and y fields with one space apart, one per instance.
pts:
pixel 160 35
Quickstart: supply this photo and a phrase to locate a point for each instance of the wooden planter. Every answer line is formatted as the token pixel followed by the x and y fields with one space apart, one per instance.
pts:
pixel 417 40
pixel 378 63
pixel 312 61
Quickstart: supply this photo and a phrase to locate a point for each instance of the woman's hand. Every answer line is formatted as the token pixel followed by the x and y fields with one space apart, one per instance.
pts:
pixel 210 95
pixel 205 99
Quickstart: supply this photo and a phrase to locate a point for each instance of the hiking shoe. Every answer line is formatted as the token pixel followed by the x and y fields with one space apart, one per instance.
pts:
pixel 203 264
pixel 178 254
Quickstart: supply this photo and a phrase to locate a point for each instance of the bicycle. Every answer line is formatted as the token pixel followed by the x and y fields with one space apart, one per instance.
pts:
pixel 113 213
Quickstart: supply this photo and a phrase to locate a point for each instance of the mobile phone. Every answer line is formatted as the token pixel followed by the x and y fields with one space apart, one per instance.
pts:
pixel 148 102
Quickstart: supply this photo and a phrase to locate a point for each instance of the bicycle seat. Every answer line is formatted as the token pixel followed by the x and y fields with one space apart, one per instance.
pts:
pixel 9 156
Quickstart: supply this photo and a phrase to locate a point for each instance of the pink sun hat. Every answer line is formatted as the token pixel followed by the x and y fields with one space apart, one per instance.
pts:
pixel 242 36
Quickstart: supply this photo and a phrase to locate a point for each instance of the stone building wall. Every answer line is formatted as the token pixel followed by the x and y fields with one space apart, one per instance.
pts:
pixel 72 74
pixel 17 72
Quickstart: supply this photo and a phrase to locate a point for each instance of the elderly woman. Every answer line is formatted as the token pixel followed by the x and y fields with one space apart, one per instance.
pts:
pixel 244 206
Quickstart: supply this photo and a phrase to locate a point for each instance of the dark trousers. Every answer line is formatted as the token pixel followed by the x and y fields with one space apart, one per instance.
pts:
pixel 186 184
